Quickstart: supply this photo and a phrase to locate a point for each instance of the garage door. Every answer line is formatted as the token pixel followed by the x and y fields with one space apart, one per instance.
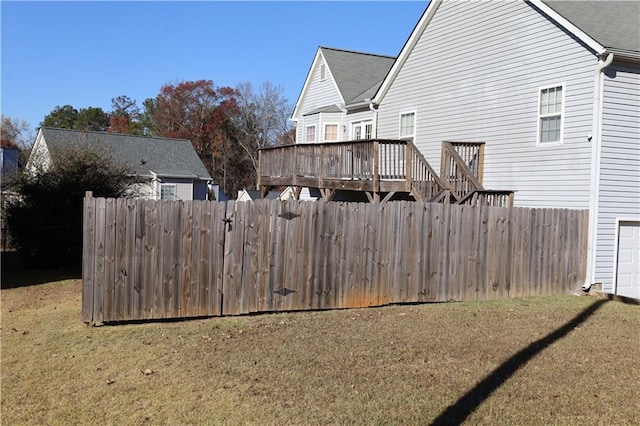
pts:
pixel 628 268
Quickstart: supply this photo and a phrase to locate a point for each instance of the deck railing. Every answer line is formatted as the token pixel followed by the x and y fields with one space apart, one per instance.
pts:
pixel 381 166
pixel 368 165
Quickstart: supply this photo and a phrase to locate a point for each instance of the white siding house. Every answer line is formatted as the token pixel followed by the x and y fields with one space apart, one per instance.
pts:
pixel 171 167
pixel 553 90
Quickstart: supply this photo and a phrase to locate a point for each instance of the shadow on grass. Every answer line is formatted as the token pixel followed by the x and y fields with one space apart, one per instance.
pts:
pixel 457 413
pixel 23 277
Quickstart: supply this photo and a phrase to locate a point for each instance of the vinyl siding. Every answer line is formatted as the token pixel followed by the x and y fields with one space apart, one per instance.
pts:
pixel 318 94
pixel 619 192
pixel 475 75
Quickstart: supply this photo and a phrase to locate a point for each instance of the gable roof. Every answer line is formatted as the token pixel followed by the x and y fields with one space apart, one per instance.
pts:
pixel 356 74
pixel 601 25
pixel 613 24
pixel 145 155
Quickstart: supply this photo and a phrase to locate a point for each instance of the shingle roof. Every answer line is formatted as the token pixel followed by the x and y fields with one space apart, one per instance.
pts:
pixel 613 24
pixel 357 75
pixel 329 108
pixel 143 154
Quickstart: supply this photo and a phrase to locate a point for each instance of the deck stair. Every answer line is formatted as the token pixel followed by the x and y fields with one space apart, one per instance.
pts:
pixel 462 168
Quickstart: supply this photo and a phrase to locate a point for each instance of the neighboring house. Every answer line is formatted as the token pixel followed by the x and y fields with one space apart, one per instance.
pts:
pixel 287 193
pixel 172 167
pixel 550 88
pixel 251 195
pixel 335 99
pixel 553 89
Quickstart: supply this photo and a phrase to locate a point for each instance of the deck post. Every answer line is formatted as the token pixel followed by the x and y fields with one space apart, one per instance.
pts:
pixel 259 168
pixel 376 166
pixel 407 165
pixel 295 166
pixel 321 174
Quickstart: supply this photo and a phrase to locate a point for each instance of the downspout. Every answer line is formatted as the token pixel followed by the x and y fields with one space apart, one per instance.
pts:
pixel 594 192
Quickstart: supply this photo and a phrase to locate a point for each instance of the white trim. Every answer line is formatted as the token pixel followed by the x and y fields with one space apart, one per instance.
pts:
pixel 616 247
pixel 415 124
pixel 540 116
pixel 577 32
pixel 324 131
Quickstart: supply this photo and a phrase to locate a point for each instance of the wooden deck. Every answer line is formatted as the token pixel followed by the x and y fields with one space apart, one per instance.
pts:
pixel 380 168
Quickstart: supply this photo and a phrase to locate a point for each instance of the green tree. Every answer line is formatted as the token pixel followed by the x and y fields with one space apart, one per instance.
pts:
pixel 45 220
pixel 68 117
pixel 64 117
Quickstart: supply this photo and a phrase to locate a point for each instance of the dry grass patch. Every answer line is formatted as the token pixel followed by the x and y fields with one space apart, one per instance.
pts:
pixel 399 364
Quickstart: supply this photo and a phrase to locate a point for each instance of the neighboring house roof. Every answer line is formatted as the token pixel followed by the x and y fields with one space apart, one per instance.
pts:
pixel 601 25
pixel 613 24
pixel 356 74
pixel 145 155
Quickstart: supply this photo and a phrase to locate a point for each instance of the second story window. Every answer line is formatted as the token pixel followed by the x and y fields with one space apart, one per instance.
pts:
pixel 330 132
pixel 407 125
pixel 550 111
pixel 323 71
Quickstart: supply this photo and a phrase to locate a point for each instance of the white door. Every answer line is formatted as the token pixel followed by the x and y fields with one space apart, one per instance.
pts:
pixel 628 268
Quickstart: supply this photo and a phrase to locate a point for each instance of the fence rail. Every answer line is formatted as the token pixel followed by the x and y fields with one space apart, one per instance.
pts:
pixel 146 259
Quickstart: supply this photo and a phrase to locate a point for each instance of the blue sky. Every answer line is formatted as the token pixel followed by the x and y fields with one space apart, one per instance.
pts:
pixel 85 53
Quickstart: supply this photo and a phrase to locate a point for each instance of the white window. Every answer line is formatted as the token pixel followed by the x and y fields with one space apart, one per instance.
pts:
pixel 330 132
pixel 311 134
pixel 167 191
pixel 323 72
pixel 407 125
pixel 551 106
pixel 361 130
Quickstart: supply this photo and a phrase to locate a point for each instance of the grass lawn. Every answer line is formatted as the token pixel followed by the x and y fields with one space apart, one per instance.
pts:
pixel 537 361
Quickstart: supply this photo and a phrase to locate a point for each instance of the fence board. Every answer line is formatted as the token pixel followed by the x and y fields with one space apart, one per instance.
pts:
pixel 88 254
pixel 110 260
pixel 99 270
pixel 154 259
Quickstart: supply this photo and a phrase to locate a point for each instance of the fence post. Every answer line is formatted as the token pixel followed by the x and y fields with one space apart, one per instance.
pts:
pixel 88 225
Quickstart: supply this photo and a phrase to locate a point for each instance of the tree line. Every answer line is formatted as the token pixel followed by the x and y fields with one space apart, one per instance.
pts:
pixel 227 126
pixel 42 211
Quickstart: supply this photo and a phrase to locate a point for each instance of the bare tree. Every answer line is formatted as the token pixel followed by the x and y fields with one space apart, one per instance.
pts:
pixel 16 131
pixel 262 118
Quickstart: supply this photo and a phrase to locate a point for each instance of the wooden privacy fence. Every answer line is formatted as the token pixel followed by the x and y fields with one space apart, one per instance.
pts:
pixel 146 259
